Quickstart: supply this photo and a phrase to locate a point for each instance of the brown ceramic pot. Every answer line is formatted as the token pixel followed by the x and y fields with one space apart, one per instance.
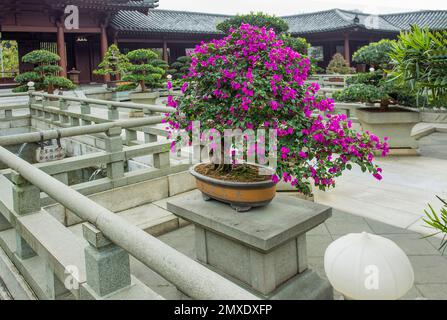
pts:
pixel 242 196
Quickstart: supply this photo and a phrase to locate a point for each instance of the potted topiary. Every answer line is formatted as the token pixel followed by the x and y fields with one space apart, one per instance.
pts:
pixel 251 80
pixel 338 65
pixel 145 70
pixel 113 64
pixel 45 73
pixel 394 122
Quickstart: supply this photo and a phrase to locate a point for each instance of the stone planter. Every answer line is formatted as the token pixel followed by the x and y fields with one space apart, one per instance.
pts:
pixel 434 116
pixel 144 97
pixel 396 124
pixel 242 196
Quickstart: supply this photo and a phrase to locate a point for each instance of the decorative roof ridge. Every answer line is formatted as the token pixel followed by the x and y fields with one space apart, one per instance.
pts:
pixel 412 12
pixel 193 12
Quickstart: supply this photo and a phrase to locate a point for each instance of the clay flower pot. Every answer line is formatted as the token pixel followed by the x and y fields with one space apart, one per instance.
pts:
pixel 242 196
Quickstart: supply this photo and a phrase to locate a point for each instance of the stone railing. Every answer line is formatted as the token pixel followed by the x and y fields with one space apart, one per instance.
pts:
pixel 55 262
pixel 113 158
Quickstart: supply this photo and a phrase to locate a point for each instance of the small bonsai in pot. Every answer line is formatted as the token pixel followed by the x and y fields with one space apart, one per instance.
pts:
pixel 113 64
pixel 338 65
pixel 145 70
pixel 45 74
pixel 251 80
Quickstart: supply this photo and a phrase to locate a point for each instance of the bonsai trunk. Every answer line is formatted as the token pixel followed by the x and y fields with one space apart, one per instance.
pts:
pixel 50 88
pixel 143 86
pixel 222 166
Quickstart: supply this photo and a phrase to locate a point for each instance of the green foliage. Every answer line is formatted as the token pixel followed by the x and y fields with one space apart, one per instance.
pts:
pixel 375 54
pixel 126 87
pixel 58 82
pixel 372 78
pixel 419 58
pixel 180 67
pixel 361 93
pixel 113 63
pixel 298 44
pixel 45 74
pixel 41 57
pixel 10 57
pixel 438 222
pixel 145 68
pixel 338 65
pixel 255 19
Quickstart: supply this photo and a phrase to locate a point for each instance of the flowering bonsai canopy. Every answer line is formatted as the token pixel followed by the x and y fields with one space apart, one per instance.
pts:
pixel 251 80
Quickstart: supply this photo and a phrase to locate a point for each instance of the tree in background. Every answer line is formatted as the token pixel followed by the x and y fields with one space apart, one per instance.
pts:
pixel 375 54
pixel 10 57
pixel 113 64
pixel 255 19
pixel 45 74
pixel 338 65
pixel 419 59
pixel 145 69
pixel 180 67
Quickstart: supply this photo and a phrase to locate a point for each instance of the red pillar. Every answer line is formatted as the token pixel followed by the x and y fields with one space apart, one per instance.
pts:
pixel 104 47
pixel 347 51
pixel 61 49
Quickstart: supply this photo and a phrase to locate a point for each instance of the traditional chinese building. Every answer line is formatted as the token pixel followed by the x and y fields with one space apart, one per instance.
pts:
pixel 38 24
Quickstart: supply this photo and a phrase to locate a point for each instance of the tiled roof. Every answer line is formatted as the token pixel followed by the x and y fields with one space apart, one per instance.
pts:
pixel 335 19
pixel 168 21
pixel 431 19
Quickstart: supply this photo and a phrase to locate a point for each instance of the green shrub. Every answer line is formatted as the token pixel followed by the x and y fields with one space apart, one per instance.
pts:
pixel 255 19
pixel 338 65
pixel 360 93
pixel 180 67
pixel 438 222
pixel 375 54
pixel 113 63
pixel 419 58
pixel 372 78
pixel 45 74
pixel 298 44
pixel 145 69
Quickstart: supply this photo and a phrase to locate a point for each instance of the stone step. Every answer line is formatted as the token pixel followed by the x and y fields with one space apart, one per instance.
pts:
pixel 152 219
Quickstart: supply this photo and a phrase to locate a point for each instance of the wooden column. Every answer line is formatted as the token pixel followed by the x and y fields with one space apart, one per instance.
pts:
pixel 104 47
pixel 346 46
pixel 165 51
pixel 61 51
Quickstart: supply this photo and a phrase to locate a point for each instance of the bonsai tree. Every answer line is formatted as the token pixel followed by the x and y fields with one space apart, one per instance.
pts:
pixel 113 63
pixel 361 92
pixel 338 65
pixel 259 19
pixel 45 74
pixel 251 80
pixel 419 59
pixel 375 54
pixel 145 69
pixel 180 68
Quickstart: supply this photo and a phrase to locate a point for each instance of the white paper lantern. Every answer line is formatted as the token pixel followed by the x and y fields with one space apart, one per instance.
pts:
pixel 364 266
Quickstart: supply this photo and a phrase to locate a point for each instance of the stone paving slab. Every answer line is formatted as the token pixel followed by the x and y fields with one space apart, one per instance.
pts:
pixel 429 265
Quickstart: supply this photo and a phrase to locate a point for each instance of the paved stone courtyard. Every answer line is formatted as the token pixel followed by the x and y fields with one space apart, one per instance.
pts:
pixel 429 263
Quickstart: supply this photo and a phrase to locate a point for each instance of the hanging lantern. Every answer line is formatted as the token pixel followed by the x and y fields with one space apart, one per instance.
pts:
pixel 364 266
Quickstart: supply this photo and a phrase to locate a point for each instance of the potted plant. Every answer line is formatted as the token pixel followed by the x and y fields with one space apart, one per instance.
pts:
pixel 338 65
pixel 145 71
pixel 45 73
pixel 112 64
pixel 251 80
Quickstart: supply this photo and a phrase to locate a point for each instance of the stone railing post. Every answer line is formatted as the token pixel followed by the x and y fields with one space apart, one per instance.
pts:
pixel 26 200
pixel 8 114
pixel 112 113
pixel 63 104
pixel 85 109
pixel 107 265
pixel 74 122
pixel 131 135
pixel 114 146
pixel 149 137
pixel 162 160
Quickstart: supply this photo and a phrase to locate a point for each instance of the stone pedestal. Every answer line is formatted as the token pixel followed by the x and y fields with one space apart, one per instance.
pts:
pixel 264 249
